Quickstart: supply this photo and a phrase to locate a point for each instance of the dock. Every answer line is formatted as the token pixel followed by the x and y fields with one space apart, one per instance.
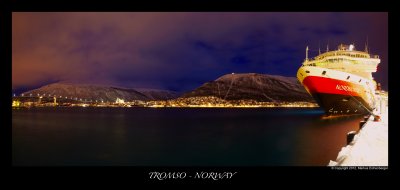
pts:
pixel 369 146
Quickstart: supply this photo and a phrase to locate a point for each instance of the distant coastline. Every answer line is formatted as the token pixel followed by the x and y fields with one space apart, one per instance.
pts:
pixel 192 102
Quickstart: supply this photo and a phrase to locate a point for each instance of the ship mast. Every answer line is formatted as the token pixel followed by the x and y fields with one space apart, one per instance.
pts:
pixel 307 53
pixel 366 46
pixel 327 46
pixel 319 48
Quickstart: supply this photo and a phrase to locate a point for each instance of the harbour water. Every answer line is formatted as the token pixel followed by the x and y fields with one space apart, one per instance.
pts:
pixel 177 136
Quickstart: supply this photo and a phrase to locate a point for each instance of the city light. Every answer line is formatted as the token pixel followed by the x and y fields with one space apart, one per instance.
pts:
pixel 16 103
pixel 119 101
pixel 188 102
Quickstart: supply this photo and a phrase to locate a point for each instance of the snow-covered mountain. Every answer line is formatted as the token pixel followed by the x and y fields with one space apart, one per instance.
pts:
pixel 105 93
pixel 156 94
pixel 260 87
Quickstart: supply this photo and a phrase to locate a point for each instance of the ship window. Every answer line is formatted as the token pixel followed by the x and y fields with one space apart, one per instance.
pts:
pixel 348 77
pixel 323 72
pixel 307 71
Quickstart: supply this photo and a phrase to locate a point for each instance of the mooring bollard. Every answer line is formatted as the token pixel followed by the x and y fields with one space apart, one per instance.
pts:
pixel 377 118
pixel 350 136
pixel 362 123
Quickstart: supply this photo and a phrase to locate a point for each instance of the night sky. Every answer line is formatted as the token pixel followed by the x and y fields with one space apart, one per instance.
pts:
pixel 180 51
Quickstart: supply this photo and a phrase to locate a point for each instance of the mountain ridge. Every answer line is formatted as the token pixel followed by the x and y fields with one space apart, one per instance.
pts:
pixel 102 92
pixel 255 86
pixel 240 86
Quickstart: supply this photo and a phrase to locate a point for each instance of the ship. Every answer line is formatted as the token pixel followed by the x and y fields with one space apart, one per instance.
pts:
pixel 341 80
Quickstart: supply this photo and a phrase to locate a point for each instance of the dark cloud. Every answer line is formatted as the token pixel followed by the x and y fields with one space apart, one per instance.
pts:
pixel 179 51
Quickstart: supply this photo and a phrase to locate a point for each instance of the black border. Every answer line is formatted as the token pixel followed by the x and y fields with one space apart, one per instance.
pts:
pixel 200 6
pixel 132 175
pixel 5 77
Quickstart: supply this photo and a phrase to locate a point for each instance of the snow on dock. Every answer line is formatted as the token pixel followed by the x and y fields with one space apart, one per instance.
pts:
pixel 369 147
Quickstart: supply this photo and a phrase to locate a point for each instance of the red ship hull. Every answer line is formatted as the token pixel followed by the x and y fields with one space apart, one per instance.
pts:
pixel 338 96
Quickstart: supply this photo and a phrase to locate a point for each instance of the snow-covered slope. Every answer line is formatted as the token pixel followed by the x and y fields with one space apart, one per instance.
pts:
pixel 156 94
pixel 105 93
pixel 261 87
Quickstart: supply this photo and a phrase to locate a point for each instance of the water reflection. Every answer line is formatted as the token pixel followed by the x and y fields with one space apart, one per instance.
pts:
pixel 177 137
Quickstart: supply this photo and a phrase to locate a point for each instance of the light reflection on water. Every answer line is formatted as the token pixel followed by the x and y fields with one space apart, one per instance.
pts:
pixel 177 136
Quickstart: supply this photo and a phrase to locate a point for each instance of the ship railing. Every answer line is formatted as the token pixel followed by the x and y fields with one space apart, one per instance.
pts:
pixel 374 56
